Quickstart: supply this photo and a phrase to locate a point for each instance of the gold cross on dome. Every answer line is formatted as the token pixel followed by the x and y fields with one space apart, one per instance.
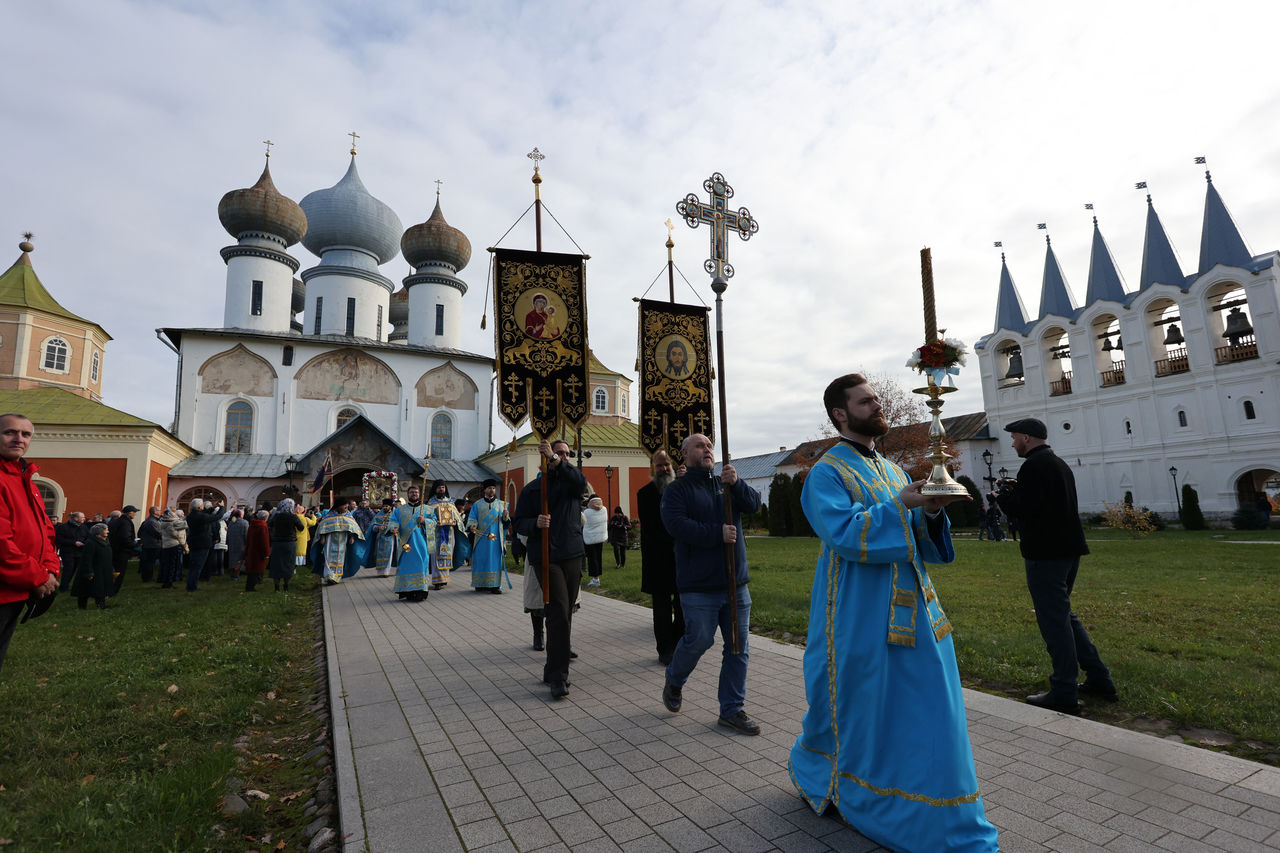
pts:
pixel 354 136
pixel 268 143
pixel 438 183
pixel 537 157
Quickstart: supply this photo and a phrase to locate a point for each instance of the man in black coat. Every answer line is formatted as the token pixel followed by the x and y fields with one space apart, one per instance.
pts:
pixel 70 537
pixel 124 540
pixel 658 559
pixel 563 525
pixel 1043 499
pixel 201 519
pixel 149 541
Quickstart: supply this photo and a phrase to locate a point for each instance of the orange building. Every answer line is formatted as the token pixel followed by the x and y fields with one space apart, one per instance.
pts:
pixel 92 458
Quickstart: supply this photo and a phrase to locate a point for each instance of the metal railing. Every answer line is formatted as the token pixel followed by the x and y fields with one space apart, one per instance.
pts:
pixel 1058 387
pixel 1114 376
pixel 1175 362
pixel 1244 348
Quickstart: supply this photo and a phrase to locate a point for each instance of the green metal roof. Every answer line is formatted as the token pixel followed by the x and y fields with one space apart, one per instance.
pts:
pixel 21 288
pixel 57 406
pixel 624 435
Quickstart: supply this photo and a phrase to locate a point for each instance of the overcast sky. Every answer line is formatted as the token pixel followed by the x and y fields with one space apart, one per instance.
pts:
pixel 856 133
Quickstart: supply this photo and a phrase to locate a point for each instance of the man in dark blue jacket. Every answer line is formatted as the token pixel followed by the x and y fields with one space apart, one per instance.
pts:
pixel 563 525
pixel 693 512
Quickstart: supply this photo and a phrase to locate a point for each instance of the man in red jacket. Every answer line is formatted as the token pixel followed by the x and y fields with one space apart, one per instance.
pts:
pixel 28 558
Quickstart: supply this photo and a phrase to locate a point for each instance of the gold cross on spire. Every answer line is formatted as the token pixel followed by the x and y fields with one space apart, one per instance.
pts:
pixel 268 143
pixel 354 136
pixel 536 156
pixel 670 228
pixel 438 183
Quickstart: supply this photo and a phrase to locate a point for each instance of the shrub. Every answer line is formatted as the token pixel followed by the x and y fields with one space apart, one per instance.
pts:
pixel 779 499
pixel 965 513
pixel 1192 517
pixel 1248 518
pixel 1122 516
pixel 799 521
pixel 1156 519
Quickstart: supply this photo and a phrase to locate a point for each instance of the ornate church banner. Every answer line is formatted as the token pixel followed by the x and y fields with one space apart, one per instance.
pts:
pixel 675 375
pixel 540 338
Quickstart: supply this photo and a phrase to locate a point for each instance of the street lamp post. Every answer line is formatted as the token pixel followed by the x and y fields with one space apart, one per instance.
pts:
pixel 608 478
pixel 1004 473
pixel 1173 472
pixel 987 457
pixel 291 469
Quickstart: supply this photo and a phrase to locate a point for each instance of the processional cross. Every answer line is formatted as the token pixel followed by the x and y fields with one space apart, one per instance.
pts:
pixel 721 219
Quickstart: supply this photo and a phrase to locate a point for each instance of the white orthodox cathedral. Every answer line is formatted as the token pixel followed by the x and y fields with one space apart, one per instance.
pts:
pixel 1144 391
pixel 304 368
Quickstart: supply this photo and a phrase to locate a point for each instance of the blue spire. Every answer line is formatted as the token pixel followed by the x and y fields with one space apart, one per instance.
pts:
pixel 1104 278
pixel 1220 240
pixel 1055 296
pixel 1010 313
pixel 1159 260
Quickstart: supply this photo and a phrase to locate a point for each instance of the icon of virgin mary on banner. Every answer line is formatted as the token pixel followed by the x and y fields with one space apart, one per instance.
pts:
pixel 675 375
pixel 540 338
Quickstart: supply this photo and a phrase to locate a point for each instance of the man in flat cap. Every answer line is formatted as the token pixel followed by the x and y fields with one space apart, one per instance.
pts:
pixel 1043 499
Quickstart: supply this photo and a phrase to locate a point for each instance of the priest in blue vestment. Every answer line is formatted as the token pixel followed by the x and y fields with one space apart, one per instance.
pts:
pixel 487 520
pixel 885 740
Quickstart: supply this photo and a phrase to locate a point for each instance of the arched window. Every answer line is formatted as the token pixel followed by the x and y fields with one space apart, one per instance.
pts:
pixel 56 351
pixel 93 370
pixel 346 416
pixel 49 495
pixel 1182 418
pixel 203 492
pixel 441 437
pixel 1249 413
pixel 602 400
pixel 239 431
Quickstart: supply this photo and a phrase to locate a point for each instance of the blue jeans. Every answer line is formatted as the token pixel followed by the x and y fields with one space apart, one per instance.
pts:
pixel 195 567
pixel 703 613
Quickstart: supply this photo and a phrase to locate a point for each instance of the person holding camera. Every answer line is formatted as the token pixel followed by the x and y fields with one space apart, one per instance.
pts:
pixel 1043 499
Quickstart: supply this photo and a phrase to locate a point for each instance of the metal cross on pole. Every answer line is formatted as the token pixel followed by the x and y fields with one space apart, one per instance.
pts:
pixel 721 220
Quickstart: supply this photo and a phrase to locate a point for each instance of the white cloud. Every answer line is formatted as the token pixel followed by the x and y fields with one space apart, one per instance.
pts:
pixel 855 132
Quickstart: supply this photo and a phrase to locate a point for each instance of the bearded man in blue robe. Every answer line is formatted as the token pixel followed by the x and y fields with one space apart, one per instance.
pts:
pixel 885 742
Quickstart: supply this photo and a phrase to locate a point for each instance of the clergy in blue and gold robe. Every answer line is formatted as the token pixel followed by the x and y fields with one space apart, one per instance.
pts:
pixel 486 521
pixel 885 739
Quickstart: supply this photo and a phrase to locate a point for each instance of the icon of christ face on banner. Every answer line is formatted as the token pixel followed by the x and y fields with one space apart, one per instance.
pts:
pixel 543 314
pixel 675 357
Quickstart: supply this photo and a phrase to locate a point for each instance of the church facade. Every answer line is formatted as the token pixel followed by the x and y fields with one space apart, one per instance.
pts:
pixel 1147 390
pixel 330 365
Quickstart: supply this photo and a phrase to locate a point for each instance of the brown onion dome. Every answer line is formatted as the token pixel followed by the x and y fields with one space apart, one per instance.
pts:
pixel 436 241
pixel 261 207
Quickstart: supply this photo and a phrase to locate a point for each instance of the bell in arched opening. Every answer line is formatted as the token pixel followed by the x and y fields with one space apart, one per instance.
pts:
pixel 1015 365
pixel 1173 336
pixel 1237 326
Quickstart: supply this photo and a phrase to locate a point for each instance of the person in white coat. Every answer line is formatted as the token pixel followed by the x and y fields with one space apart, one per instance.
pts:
pixel 595 532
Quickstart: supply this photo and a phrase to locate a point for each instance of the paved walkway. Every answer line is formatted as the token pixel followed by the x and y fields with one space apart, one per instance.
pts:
pixel 445 739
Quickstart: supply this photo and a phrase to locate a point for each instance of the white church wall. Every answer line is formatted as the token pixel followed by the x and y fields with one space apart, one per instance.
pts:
pixel 277 294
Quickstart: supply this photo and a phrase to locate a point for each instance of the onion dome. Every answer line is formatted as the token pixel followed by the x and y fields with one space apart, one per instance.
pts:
pixel 261 207
pixel 436 241
pixel 298 300
pixel 398 314
pixel 347 216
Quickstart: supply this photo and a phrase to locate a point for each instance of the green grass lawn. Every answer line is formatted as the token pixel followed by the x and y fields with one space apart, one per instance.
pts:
pixel 1188 621
pixel 118 726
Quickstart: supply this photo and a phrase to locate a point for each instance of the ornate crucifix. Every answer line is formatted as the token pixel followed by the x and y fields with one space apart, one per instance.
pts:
pixel 718 216
pixel 721 219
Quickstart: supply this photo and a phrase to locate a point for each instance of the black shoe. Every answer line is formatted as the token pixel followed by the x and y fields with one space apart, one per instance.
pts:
pixel 496 590
pixel 573 655
pixel 559 689
pixel 664 659
pixel 671 697
pixel 1057 703
pixel 537 642
pixel 742 723
pixel 567 682
pixel 1106 691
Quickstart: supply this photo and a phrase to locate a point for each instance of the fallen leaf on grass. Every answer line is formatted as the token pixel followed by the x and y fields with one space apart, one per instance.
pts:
pixel 173 688
pixel 280 846
pixel 180 712
pixel 256 794
pixel 271 694
pixel 86 780
pixel 182 635
pixel 287 797
pixel 5 842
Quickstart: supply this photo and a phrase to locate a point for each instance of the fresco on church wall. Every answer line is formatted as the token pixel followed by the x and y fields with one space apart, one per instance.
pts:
pixel 446 387
pixel 348 375
pixel 237 371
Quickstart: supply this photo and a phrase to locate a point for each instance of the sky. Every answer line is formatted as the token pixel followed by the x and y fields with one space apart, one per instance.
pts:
pixel 855 132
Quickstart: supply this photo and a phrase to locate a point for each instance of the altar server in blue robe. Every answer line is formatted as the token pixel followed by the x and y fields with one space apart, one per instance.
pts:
pixel 487 520
pixel 885 740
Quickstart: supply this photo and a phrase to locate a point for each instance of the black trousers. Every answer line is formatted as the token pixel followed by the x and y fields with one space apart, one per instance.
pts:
pixel 1070 649
pixel 562 583
pixel 147 563
pixel 668 622
pixel 619 555
pixel 595 554
pixel 9 615
pixel 70 562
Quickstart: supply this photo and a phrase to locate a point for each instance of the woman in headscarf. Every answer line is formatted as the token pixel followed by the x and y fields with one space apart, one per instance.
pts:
pixel 95 576
pixel 284 526
pixel 257 550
